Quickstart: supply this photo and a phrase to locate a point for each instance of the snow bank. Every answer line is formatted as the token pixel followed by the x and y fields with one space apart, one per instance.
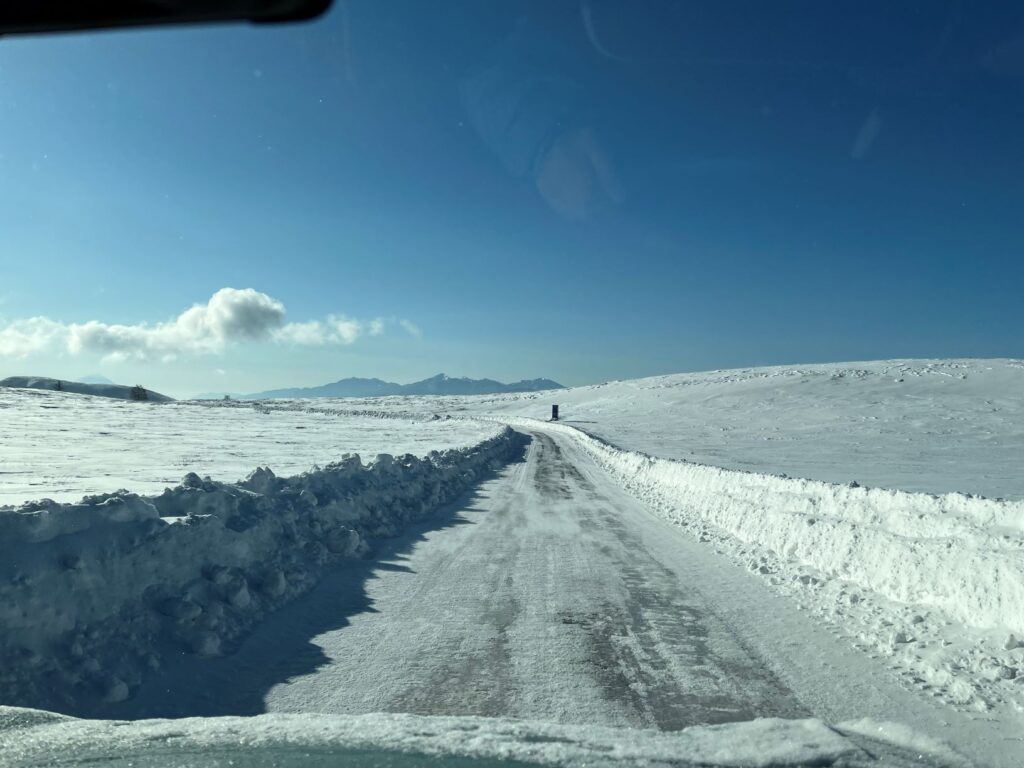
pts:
pixel 930 559
pixel 962 554
pixel 34 738
pixel 92 593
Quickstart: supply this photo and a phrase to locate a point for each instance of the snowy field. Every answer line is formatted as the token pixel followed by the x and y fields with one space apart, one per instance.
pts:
pixel 65 446
pixel 928 426
pixel 916 425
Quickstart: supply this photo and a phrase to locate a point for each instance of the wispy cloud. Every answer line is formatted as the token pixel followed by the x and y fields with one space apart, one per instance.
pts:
pixel 336 329
pixel 231 316
pixel 411 328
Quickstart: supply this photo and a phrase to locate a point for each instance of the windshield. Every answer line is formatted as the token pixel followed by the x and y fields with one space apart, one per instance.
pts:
pixel 587 363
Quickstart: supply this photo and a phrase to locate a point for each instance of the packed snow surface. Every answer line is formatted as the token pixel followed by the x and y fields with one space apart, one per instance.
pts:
pixel 64 446
pixel 935 426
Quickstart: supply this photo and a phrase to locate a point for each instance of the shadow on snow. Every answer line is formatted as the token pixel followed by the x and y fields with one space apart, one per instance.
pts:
pixel 281 647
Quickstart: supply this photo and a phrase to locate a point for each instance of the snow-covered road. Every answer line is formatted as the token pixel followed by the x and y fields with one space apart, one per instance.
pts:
pixel 544 599
pixel 550 594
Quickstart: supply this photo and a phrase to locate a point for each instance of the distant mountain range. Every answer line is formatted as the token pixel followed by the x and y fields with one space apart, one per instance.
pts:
pixel 435 385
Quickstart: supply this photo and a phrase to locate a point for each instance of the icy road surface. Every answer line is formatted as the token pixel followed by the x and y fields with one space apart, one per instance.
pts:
pixel 551 595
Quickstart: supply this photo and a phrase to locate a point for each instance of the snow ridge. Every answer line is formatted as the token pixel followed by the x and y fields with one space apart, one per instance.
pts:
pixel 95 389
pixel 93 594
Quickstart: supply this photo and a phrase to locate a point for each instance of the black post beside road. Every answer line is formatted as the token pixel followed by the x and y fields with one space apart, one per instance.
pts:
pixel 554 413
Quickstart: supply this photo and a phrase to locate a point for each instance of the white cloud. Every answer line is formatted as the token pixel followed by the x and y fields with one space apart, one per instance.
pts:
pixel 411 328
pixel 24 337
pixel 335 330
pixel 311 334
pixel 345 330
pixel 230 316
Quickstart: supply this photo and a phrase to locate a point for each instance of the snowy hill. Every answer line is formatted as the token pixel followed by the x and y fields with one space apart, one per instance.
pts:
pixel 116 391
pixel 917 425
pixel 440 384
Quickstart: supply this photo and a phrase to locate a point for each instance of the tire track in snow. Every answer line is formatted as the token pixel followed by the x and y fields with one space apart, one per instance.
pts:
pixel 654 650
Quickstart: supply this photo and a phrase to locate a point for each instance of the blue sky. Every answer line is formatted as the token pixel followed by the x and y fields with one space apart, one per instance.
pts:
pixel 778 183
